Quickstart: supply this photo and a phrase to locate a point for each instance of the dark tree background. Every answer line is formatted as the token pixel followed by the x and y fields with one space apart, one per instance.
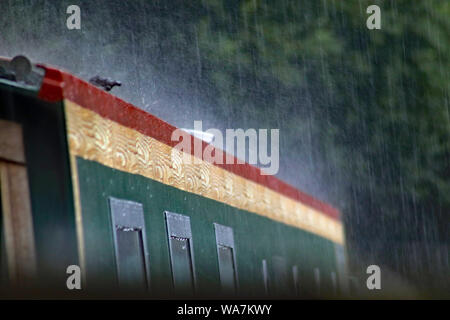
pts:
pixel 364 115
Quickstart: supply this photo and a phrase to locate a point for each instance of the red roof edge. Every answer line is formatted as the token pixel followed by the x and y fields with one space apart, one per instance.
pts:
pixel 58 85
pixel 52 85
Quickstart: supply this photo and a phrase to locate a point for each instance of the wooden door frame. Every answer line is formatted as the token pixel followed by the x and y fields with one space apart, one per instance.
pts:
pixel 17 217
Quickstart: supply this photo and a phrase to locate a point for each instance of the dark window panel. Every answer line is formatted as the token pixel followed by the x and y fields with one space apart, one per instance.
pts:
pixel 227 258
pixel 131 259
pixel 182 272
pixel 181 252
pixel 227 269
pixel 130 244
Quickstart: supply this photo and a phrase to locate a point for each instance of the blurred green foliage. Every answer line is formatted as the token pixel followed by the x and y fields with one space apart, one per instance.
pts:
pixel 380 105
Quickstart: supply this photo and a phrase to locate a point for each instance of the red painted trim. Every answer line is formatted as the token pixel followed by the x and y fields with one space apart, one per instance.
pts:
pixel 52 85
pixel 58 85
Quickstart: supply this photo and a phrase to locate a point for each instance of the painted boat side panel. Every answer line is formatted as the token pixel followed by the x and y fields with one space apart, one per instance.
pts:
pixel 256 237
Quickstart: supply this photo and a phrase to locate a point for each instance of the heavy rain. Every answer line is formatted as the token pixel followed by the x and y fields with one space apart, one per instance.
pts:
pixel 363 114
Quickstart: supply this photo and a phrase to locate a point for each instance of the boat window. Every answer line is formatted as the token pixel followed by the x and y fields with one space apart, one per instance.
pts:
pixel 227 258
pixel 296 280
pixel 281 283
pixel 265 274
pixel 17 246
pixel 317 283
pixel 130 244
pixel 181 252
